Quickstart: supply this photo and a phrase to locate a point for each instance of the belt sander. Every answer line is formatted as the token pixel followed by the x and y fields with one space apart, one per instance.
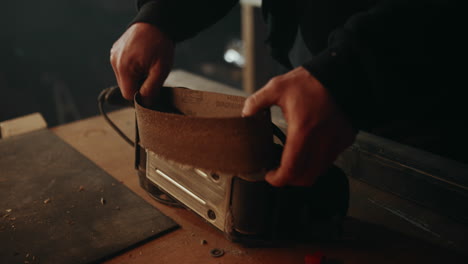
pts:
pixel 194 150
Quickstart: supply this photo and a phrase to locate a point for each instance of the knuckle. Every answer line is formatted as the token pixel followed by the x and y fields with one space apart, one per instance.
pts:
pixel 275 84
pixel 125 66
pixel 113 58
pixel 129 63
pixel 113 53
pixel 278 80
pixel 123 61
pixel 249 103
pixel 252 99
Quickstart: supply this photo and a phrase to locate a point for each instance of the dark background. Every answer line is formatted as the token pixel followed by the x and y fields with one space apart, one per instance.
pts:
pixel 54 55
pixel 54 59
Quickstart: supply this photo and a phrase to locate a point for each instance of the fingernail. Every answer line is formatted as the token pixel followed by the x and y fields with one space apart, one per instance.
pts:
pixel 245 111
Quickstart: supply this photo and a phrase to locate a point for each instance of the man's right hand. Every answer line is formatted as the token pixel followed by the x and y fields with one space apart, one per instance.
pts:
pixel 142 58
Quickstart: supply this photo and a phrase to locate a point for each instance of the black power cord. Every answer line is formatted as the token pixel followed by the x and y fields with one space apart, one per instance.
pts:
pixel 113 96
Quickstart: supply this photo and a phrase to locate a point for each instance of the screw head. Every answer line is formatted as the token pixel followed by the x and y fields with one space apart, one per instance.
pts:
pixel 215 176
pixel 211 214
pixel 216 252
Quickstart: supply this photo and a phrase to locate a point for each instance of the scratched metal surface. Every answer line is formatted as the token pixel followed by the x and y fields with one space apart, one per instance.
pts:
pixel 375 206
pixel 56 206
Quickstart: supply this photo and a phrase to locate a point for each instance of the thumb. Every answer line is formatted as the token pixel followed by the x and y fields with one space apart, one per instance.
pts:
pixel 263 98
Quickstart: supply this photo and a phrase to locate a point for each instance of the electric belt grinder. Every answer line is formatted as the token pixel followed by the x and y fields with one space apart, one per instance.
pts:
pixel 194 150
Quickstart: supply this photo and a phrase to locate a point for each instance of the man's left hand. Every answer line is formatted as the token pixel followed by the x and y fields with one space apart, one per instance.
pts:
pixel 317 130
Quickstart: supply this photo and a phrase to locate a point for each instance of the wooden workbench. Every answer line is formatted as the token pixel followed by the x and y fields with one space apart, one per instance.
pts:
pixel 364 242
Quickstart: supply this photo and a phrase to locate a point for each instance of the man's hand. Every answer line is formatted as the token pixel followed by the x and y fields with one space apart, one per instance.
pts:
pixel 142 56
pixel 317 131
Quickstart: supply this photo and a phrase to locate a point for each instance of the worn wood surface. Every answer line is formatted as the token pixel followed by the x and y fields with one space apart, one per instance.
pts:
pixel 374 233
pixel 365 242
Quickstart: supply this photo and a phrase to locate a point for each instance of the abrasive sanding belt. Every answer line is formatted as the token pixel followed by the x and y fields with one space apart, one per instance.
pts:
pixel 205 130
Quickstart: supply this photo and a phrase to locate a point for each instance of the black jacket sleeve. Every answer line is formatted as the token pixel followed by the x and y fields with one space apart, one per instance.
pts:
pixel 182 19
pixel 377 64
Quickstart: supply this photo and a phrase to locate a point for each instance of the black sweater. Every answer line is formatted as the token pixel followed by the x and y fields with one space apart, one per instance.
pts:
pixel 380 60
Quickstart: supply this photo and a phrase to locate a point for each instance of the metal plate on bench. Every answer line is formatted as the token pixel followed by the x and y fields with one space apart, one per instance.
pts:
pixel 56 206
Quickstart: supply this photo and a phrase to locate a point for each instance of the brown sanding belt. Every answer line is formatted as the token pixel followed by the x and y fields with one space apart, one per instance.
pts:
pixel 205 130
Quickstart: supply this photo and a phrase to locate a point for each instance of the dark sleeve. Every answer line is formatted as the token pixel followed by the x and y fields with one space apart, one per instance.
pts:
pixel 182 19
pixel 379 51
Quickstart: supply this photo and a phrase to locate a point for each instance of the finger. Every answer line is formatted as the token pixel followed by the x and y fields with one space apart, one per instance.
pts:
pixel 263 98
pixel 292 160
pixel 151 86
pixel 314 160
pixel 128 82
pixel 114 68
pixel 113 63
pixel 319 153
pixel 117 78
